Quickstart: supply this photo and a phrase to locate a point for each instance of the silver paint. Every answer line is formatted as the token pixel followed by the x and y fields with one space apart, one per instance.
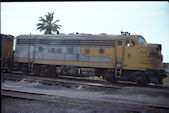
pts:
pixel 24 51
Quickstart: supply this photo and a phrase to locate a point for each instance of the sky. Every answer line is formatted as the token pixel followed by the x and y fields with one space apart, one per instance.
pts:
pixel 149 19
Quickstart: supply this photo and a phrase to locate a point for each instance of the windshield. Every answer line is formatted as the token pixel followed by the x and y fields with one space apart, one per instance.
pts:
pixel 141 40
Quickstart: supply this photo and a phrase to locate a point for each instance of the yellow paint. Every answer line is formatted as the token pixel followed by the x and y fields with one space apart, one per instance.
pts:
pixel 94 51
pixel 137 58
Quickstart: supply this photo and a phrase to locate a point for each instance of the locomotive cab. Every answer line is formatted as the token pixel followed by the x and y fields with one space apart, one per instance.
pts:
pixel 144 59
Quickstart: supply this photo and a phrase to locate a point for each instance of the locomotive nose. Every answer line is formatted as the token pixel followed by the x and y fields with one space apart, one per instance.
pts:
pixel 155 49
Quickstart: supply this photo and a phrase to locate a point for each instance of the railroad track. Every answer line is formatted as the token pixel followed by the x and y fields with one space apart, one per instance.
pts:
pixel 88 86
pixel 72 82
pixel 134 106
pixel 66 82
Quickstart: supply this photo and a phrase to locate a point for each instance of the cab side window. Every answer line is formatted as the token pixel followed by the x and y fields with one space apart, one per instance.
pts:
pixel 119 43
pixel 132 43
pixel 127 43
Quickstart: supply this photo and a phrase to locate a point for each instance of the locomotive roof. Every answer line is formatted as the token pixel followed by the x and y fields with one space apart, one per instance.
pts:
pixel 76 36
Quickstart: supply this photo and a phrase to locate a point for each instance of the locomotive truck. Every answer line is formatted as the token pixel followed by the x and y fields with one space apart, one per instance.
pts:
pixel 122 57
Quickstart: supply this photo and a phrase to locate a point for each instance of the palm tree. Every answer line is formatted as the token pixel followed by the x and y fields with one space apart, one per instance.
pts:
pixel 48 25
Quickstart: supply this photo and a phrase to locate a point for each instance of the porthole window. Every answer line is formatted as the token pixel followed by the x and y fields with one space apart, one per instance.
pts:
pixel 119 43
pixel 87 51
pixel 101 51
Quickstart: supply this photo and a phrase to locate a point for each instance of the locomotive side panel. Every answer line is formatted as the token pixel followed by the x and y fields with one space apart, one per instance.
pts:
pixel 66 54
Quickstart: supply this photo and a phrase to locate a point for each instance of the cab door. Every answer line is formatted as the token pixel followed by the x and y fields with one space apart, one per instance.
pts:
pixel 130 54
pixel 119 58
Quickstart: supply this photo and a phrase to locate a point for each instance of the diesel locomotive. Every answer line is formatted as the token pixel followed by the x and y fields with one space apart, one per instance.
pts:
pixel 122 57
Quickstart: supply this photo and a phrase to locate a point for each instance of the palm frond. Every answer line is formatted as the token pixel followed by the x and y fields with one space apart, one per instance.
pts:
pixel 55 21
pixel 47 25
pixel 42 19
